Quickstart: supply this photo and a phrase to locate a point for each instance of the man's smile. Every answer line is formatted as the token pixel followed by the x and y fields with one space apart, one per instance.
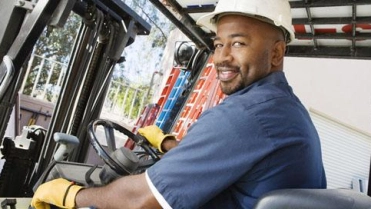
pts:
pixel 226 74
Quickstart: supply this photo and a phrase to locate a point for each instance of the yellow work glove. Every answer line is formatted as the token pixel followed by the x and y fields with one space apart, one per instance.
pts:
pixel 155 136
pixel 58 192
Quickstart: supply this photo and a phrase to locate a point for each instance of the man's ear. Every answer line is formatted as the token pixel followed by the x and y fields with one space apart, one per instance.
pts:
pixel 278 53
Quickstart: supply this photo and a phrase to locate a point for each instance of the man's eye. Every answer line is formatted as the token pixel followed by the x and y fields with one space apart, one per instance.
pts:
pixel 218 45
pixel 238 44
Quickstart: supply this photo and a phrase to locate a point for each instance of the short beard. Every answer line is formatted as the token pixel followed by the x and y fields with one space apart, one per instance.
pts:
pixel 228 90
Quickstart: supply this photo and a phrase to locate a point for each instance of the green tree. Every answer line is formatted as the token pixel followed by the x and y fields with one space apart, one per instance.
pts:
pixel 58 42
pixel 54 45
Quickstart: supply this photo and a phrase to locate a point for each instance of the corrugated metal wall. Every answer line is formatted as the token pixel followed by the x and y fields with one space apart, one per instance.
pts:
pixel 345 151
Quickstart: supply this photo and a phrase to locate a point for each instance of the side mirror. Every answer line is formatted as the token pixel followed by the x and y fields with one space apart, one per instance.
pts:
pixel 184 54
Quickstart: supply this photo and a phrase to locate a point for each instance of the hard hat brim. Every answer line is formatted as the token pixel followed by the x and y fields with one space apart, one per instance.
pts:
pixel 209 21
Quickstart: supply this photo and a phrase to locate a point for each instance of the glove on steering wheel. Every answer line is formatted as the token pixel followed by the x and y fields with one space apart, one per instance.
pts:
pixel 155 136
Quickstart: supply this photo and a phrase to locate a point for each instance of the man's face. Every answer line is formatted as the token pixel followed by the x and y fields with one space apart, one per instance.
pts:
pixel 244 48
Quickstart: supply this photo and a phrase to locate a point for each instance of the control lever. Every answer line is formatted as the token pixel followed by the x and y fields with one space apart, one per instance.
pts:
pixel 66 145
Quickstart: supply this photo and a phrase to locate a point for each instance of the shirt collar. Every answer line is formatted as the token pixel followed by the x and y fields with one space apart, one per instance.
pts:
pixel 274 77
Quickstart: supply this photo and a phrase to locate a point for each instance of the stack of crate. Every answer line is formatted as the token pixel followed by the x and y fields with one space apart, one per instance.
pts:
pixel 173 76
pixel 205 94
pixel 172 97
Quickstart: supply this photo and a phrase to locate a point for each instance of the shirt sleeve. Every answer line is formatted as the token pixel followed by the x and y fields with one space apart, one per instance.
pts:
pixel 160 199
pixel 213 155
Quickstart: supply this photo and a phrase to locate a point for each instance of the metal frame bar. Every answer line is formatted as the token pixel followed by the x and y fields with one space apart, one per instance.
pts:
pixel 335 36
pixel 329 21
pixel 119 8
pixel 185 23
pixel 327 3
pixel 329 52
pixel 309 14
pixel 11 20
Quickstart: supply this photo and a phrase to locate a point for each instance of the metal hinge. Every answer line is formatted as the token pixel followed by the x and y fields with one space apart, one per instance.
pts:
pixel 28 5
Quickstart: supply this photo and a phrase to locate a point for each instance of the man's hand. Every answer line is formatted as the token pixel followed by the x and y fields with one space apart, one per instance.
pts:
pixel 155 136
pixel 58 192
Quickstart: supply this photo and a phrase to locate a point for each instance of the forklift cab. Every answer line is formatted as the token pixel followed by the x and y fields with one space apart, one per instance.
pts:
pixel 107 28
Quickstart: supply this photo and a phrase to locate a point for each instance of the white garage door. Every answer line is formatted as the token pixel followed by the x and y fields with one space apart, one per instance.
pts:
pixel 345 152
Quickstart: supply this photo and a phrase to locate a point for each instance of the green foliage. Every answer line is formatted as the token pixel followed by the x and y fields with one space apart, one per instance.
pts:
pixel 52 53
pixel 58 42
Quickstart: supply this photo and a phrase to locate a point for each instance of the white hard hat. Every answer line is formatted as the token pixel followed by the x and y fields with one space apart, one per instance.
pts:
pixel 277 12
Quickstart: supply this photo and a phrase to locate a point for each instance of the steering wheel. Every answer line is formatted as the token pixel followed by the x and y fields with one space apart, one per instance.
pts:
pixel 123 161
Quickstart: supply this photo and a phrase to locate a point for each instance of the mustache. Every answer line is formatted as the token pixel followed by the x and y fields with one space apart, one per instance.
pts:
pixel 224 66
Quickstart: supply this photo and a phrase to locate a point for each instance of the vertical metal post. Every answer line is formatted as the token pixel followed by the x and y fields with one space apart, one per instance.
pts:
pixel 59 82
pixel 107 95
pixel 41 66
pixel 125 97
pixel 144 98
pixel 354 28
pixel 132 103
pixel 114 102
pixel 27 71
pixel 50 73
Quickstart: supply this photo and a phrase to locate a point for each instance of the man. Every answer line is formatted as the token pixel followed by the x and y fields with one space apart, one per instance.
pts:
pixel 259 139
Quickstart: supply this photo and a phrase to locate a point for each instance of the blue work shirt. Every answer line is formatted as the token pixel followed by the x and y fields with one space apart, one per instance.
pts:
pixel 257 140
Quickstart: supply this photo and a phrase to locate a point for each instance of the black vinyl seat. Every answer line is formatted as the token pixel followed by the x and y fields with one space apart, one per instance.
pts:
pixel 314 199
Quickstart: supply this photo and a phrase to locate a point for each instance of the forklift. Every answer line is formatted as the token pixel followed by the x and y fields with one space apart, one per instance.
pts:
pixel 39 154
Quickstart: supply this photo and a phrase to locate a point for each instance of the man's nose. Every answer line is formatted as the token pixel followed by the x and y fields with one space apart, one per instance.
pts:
pixel 223 54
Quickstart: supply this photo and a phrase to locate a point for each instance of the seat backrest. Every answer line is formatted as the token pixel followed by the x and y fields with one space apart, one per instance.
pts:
pixel 314 198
